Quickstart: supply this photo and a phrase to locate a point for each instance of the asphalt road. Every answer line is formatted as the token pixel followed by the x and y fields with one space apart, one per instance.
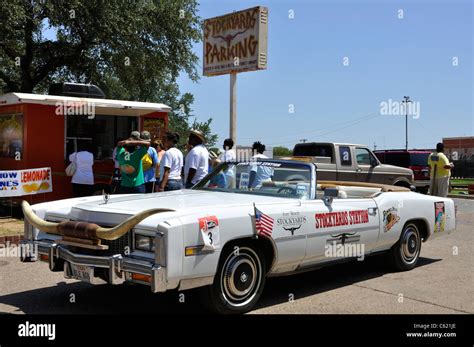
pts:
pixel 443 282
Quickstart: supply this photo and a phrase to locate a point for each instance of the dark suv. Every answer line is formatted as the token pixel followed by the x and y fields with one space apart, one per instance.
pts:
pixel 415 159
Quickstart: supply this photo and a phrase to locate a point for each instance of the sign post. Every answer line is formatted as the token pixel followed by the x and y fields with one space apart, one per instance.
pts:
pixel 233 106
pixel 233 43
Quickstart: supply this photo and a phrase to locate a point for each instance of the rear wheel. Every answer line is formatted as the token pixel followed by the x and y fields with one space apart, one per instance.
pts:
pixel 239 280
pixel 405 253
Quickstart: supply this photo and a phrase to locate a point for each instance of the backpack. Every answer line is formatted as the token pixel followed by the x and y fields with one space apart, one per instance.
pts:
pixel 147 162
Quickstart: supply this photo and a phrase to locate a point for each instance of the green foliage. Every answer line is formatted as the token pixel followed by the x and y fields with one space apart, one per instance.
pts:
pixel 126 46
pixel 133 50
pixel 180 116
pixel 281 151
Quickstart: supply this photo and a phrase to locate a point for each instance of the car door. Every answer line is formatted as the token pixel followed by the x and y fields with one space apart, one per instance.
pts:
pixel 366 167
pixel 348 224
pixel 289 229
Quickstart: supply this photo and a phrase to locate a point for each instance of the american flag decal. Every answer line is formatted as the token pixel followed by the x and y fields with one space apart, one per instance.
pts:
pixel 263 223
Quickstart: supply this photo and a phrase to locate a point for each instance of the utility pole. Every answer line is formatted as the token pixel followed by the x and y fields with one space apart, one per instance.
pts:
pixel 233 107
pixel 375 146
pixel 406 101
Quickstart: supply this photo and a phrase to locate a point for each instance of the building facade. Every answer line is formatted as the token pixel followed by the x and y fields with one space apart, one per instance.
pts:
pixel 459 148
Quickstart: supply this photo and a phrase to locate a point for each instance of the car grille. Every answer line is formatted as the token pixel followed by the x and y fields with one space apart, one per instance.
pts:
pixel 120 246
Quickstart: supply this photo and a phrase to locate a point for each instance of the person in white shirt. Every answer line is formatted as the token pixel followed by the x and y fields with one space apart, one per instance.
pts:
pixel 229 156
pixel 196 164
pixel 259 173
pixel 83 179
pixel 171 164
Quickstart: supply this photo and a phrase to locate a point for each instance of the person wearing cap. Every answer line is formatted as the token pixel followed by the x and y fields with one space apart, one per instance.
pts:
pixel 129 155
pixel 440 171
pixel 196 164
pixel 149 163
pixel 116 177
pixel 135 135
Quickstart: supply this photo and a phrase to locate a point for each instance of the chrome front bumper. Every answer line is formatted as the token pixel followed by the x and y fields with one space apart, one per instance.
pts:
pixel 120 268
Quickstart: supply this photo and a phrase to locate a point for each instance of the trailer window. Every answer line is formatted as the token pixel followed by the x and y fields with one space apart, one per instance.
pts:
pixel 100 133
pixel 11 136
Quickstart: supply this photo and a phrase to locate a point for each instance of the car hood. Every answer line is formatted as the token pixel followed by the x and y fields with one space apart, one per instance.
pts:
pixel 182 201
pixel 397 169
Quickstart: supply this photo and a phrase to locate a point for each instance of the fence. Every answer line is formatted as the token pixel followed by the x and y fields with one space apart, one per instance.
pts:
pixel 463 169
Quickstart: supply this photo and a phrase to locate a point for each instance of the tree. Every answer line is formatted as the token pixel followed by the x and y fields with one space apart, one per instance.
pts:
pixel 280 151
pixel 179 120
pixel 133 50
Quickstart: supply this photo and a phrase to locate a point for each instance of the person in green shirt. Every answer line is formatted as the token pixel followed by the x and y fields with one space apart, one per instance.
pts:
pixel 129 156
pixel 440 171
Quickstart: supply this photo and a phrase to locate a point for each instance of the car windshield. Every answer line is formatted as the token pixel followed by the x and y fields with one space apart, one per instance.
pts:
pixel 260 177
pixel 419 159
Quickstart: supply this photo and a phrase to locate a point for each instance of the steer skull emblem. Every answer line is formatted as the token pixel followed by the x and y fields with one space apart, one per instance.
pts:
pixel 293 229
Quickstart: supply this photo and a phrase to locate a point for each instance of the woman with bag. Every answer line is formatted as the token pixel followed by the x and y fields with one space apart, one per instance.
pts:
pixel 83 177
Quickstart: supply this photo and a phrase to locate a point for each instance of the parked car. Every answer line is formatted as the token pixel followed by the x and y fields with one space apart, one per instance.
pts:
pixel 416 160
pixel 350 162
pixel 228 237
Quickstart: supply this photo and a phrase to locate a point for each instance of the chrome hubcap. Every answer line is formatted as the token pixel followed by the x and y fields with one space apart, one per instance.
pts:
pixel 410 244
pixel 241 277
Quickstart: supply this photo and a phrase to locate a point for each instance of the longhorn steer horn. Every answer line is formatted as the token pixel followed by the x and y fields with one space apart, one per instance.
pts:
pixel 84 229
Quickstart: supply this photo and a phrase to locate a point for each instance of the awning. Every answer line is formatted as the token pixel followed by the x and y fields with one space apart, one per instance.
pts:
pixel 102 106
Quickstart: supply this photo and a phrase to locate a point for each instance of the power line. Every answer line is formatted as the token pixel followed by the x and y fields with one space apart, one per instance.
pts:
pixel 332 131
pixel 327 127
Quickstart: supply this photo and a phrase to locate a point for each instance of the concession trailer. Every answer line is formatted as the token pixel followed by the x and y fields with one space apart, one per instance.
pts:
pixel 40 131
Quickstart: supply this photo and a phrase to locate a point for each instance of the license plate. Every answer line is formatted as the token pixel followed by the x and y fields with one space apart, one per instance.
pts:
pixel 82 272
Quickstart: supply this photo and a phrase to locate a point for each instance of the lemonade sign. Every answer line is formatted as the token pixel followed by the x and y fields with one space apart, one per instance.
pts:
pixel 25 182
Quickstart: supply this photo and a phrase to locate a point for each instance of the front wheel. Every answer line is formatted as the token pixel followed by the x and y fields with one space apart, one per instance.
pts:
pixel 405 253
pixel 239 280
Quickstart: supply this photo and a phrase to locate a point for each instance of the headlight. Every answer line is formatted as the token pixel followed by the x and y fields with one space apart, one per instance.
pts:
pixel 145 243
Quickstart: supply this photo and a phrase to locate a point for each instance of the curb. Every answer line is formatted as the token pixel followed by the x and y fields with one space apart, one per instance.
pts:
pixel 12 240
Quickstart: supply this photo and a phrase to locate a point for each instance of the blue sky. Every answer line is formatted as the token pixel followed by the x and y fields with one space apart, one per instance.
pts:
pixel 388 58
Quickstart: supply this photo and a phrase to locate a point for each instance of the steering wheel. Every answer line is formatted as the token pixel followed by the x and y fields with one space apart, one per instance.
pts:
pixel 287 191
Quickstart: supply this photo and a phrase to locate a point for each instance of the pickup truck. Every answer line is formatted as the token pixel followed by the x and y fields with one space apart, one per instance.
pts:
pixel 416 160
pixel 351 162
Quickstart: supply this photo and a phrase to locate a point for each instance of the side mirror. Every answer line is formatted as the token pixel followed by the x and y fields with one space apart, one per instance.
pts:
pixel 374 163
pixel 329 194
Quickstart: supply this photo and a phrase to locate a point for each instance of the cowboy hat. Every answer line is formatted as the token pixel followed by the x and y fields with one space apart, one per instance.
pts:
pixel 198 134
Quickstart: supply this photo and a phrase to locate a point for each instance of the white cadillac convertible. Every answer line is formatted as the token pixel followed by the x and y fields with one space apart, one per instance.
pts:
pixel 242 223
